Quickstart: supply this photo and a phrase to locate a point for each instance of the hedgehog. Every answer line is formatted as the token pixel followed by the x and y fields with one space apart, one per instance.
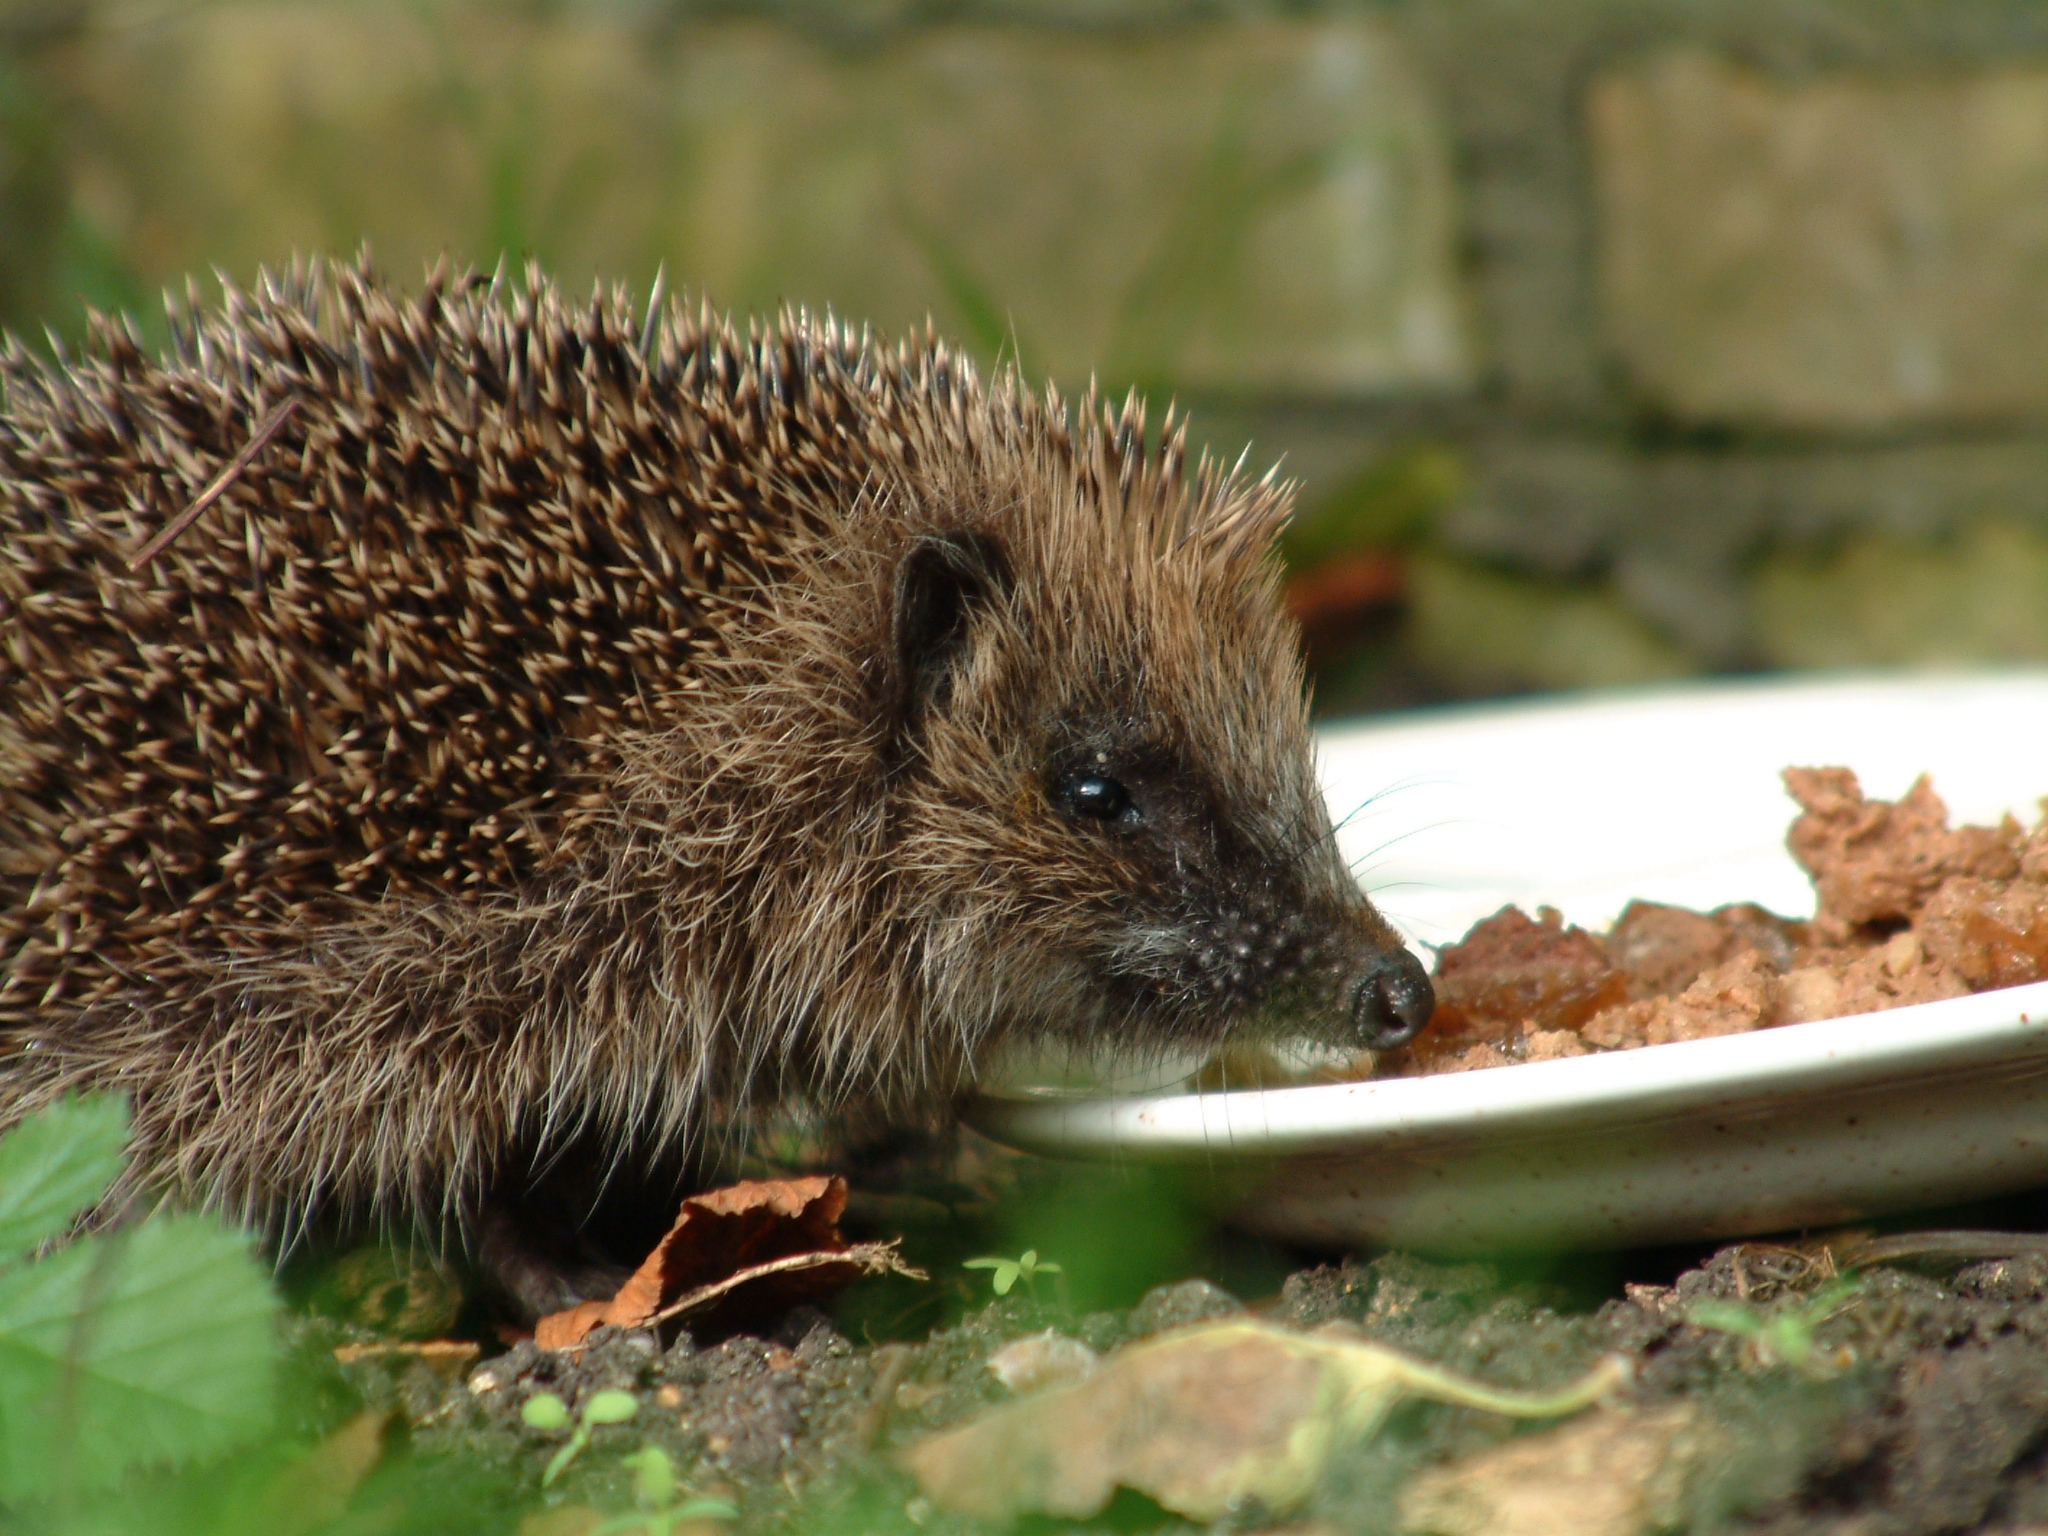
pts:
pixel 564 724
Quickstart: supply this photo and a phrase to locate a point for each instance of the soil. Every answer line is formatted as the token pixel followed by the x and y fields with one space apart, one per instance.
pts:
pixel 1922 1408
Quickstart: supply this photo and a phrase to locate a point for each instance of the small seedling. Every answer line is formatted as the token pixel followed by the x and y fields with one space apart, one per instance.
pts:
pixel 1784 1337
pixel 546 1411
pixel 655 1491
pixel 1027 1266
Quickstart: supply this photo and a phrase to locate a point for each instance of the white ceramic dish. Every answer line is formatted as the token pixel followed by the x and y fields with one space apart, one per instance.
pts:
pixel 1585 803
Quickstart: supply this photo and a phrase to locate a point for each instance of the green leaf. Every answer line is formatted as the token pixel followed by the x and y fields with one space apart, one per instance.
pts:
pixel 1726 1317
pixel 571 1449
pixel 1831 1298
pixel 56 1163
pixel 1006 1276
pixel 983 1263
pixel 610 1408
pixel 148 1345
pixel 544 1410
pixel 654 1477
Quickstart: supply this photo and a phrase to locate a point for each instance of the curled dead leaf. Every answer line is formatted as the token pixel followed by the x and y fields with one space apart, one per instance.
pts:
pixel 755 1248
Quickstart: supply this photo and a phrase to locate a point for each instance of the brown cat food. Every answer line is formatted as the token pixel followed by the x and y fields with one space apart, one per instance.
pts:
pixel 1910 911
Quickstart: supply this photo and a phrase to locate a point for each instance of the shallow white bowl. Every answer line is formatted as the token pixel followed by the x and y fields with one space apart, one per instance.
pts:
pixel 1584 803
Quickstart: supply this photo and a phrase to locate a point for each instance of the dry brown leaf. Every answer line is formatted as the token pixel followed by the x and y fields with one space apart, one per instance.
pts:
pixel 1040 1360
pixel 1614 1474
pixel 756 1249
pixel 564 1330
pixel 448 1357
pixel 1203 1420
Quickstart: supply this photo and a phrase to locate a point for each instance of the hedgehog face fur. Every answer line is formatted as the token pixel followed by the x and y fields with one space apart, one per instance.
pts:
pixel 576 726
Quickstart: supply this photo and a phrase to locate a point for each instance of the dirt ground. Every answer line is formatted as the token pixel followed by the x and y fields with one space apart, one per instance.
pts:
pixel 1910 1398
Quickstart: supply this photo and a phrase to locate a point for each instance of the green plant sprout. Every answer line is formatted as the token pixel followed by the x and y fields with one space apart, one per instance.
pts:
pixel 1027 1266
pixel 545 1411
pixel 661 1507
pixel 1786 1336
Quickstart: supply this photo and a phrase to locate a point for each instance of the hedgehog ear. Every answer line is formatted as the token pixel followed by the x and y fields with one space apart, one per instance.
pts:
pixel 940 583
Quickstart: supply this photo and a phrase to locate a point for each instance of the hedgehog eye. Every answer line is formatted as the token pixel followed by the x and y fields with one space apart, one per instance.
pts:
pixel 1098 797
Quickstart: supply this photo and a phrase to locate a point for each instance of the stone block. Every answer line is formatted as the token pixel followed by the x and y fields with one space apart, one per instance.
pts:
pixel 1681 538
pixel 1233 206
pixel 1977 599
pixel 1483 629
pixel 1849 250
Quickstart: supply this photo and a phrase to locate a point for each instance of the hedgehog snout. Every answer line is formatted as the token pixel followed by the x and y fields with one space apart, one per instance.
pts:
pixel 1391 999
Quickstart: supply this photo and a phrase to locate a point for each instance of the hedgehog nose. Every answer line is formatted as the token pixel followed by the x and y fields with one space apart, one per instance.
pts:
pixel 1391 1001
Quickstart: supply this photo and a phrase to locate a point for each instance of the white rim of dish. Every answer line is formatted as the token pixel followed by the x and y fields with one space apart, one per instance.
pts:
pixel 1575 1093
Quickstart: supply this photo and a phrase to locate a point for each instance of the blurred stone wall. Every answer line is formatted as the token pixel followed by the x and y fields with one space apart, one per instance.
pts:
pixel 1762 291
pixel 1635 338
